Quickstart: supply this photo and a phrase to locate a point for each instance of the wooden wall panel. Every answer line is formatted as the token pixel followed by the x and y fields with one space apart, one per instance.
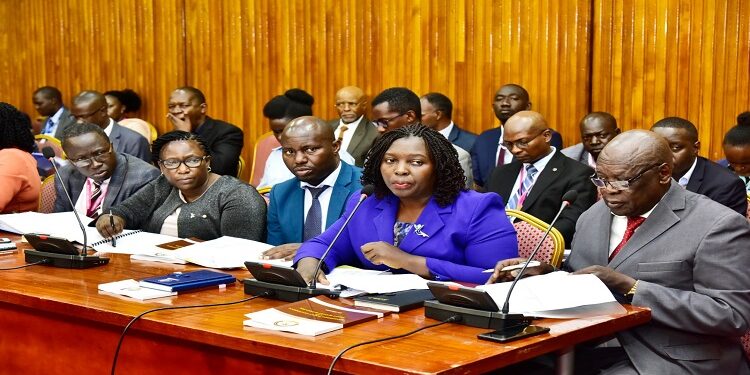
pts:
pixel 77 45
pixel 653 59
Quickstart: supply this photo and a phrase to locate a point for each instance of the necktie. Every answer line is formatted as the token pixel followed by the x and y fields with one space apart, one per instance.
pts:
pixel 501 156
pixel 314 219
pixel 48 126
pixel 342 130
pixel 93 202
pixel 746 181
pixel 633 224
pixel 516 200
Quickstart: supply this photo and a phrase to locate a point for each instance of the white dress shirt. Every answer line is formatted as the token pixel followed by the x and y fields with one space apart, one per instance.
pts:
pixel 447 131
pixel 508 157
pixel 685 179
pixel 83 201
pixel 108 129
pixel 348 133
pixel 55 122
pixel 324 198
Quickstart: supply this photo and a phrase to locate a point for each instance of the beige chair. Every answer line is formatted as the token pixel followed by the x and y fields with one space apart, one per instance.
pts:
pixel 748 207
pixel 240 166
pixel 43 140
pixel 529 231
pixel 263 147
pixel 47 195
pixel 137 125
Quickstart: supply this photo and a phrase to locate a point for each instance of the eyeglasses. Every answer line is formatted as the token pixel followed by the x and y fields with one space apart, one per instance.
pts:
pixel 87 115
pixel 622 184
pixel 384 122
pixel 101 157
pixel 192 162
pixel 521 143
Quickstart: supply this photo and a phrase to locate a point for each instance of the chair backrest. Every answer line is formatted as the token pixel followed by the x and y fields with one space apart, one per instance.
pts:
pixel 154 132
pixel 43 140
pixel 746 344
pixel 137 125
pixel 747 215
pixel 47 195
pixel 240 166
pixel 264 193
pixel 529 231
pixel 263 147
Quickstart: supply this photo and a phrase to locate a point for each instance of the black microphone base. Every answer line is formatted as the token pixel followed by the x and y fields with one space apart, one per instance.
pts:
pixel 507 323
pixel 64 260
pixel 285 292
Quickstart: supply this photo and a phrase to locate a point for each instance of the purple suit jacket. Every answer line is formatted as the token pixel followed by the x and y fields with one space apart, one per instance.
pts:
pixel 463 239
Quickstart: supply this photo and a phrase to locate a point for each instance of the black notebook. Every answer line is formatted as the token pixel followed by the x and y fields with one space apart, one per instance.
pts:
pixel 397 301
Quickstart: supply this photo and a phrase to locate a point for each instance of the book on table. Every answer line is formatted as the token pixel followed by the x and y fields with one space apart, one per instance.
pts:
pixel 311 317
pixel 181 281
pixel 396 302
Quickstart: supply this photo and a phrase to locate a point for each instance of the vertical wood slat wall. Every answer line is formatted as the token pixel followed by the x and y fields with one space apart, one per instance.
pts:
pixel 638 59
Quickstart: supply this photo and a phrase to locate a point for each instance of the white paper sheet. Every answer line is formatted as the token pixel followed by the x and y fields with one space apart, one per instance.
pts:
pixel 226 252
pixel 131 288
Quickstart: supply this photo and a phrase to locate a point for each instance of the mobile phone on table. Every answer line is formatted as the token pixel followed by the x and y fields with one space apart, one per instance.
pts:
pixel 498 336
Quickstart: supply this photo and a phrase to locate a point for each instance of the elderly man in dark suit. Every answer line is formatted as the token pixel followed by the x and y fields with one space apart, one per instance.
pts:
pixel 91 106
pixel 660 246
pixel 352 128
pixel 97 177
pixel 697 173
pixel 488 151
pixel 187 112
pixel 437 113
pixel 540 174
pixel 48 102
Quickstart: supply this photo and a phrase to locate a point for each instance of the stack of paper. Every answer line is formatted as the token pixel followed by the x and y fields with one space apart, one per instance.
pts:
pixel 131 288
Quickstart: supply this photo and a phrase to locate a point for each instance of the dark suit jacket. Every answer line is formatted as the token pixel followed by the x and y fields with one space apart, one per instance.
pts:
pixel 66 119
pixel 129 176
pixel 484 153
pixel 543 201
pixel 225 142
pixel 129 142
pixel 287 202
pixel 462 138
pixel 690 257
pixel 362 140
pixel 719 184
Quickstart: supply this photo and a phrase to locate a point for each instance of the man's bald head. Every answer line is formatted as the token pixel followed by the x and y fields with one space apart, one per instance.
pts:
pixel 527 136
pixel 351 103
pixel 643 159
pixel 90 106
pixel 309 149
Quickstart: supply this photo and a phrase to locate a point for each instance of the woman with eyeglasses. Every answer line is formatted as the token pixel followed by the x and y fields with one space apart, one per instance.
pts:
pixel 188 200
pixel 19 179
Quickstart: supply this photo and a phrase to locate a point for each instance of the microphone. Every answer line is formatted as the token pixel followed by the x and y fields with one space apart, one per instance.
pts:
pixel 508 326
pixel 59 252
pixel 286 283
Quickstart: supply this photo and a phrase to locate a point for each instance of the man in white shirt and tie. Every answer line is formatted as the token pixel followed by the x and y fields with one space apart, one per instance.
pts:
pixel 353 128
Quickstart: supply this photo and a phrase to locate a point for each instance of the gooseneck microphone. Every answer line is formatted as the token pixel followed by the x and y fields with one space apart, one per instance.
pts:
pixel 367 190
pixel 59 252
pixel 568 199
pixel 286 283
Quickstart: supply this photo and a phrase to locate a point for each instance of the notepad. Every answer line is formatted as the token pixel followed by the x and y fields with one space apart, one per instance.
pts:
pixel 181 281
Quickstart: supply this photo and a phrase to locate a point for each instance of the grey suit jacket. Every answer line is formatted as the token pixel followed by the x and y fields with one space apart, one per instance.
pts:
pixel 577 153
pixel 362 140
pixel 691 258
pixel 129 142
pixel 66 119
pixel 129 176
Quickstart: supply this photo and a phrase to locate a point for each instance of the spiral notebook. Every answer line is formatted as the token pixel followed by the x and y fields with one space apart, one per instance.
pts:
pixel 138 242
pixel 117 237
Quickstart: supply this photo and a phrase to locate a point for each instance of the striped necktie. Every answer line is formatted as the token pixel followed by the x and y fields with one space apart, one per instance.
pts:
pixel 516 200
pixel 93 204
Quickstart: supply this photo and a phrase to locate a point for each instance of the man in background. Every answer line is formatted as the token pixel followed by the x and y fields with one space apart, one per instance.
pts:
pixel 597 129
pixel 48 102
pixel 437 113
pixel 352 128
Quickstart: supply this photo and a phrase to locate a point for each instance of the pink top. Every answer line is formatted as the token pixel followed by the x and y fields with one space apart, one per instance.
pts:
pixel 19 181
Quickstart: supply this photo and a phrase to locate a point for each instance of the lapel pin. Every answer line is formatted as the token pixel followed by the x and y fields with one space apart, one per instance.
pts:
pixel 418 230
pixel 192 215
pixel 554 169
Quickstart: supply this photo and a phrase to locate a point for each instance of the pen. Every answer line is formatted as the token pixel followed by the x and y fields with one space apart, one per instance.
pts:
pixel 112 223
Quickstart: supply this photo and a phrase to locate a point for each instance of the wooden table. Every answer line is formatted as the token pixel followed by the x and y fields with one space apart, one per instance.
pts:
pixel 54 320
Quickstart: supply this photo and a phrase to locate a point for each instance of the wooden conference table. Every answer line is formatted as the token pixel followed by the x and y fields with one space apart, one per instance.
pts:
pixel 55 320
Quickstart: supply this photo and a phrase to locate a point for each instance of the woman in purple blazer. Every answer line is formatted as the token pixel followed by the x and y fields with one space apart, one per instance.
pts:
pixel 421 219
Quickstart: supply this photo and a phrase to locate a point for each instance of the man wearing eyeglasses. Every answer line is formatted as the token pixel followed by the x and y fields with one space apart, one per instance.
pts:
pixel 97 176
pixel 678 253
pixel 352 128
pixel 539 175
pixel 397 107
pixel 91 106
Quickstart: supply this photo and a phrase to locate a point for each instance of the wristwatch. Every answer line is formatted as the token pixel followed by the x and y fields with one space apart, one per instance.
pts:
pixel 629 295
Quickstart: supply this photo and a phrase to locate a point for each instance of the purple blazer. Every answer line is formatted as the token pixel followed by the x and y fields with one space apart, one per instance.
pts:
pixel 463 239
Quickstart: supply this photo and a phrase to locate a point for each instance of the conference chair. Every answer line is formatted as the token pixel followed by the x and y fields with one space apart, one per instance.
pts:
pixel 43 140
pixel 748 207
pixel 154 133
pixel 529 231
pixel 47 195
pixel 137 125
pixel 746 344
pixel 240 166
pixel 264 193
pixel 263 147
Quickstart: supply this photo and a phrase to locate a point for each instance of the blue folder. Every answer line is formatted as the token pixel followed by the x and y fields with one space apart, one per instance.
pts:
pixel 181 281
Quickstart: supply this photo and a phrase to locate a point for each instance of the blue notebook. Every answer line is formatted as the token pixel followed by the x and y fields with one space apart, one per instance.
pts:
pixel 180 281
